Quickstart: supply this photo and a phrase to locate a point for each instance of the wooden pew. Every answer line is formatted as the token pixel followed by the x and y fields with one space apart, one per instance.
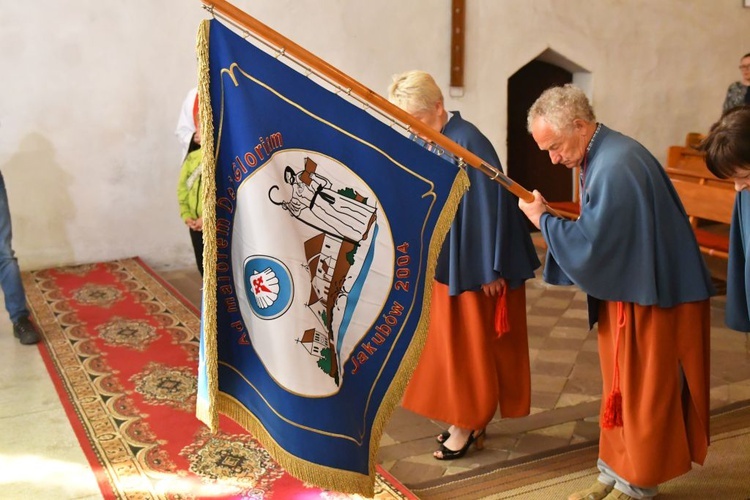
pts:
pixel 710 203
pixel 708 200
pixel 688 164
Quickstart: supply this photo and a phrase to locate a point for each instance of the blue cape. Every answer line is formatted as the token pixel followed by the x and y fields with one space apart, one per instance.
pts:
pixel 633 241
pixel 489 237
pixel 738 269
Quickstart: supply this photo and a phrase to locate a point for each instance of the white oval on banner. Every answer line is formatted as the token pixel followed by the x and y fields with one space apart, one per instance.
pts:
pixel 313 263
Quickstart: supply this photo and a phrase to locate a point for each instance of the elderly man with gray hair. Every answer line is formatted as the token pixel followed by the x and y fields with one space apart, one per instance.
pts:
pixel 633 252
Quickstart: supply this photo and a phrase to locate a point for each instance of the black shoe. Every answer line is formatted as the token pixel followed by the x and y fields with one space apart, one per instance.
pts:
pixel 25 331
pixel 448 454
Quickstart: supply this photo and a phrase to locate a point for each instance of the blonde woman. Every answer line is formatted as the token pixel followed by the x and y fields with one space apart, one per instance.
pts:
pixel 469 365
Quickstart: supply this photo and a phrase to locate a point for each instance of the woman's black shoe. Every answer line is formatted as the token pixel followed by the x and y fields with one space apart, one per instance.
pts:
pixel 448 454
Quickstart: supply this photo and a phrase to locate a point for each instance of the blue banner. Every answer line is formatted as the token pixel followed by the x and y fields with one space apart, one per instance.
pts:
pixel 320 253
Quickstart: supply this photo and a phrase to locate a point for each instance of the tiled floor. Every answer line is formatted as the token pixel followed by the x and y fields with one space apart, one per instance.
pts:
pixel 37 442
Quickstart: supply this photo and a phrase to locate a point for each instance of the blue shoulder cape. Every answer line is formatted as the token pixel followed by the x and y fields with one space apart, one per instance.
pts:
pixel 633 241
pixel 489 237
pixel 737 315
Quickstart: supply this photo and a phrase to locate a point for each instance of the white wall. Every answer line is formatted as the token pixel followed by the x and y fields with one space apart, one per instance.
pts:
pixel 90 91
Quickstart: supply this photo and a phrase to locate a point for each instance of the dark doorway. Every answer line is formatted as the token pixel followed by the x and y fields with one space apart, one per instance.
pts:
pixel 527 165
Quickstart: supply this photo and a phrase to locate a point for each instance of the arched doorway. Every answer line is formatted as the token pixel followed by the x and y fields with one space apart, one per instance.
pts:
pixel 527 165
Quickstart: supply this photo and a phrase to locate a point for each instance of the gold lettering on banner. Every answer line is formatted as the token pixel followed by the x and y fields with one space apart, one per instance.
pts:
pixel 243 164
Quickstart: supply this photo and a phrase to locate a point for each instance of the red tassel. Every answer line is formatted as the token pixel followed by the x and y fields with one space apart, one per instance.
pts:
pixel 502 324
pixel 612 415
pixel 613 411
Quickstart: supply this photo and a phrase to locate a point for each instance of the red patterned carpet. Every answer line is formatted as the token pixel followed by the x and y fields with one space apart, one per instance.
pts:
pixel 122 349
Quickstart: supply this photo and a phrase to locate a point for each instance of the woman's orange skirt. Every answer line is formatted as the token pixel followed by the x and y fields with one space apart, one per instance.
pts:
pixel 665 416
pixel 465 370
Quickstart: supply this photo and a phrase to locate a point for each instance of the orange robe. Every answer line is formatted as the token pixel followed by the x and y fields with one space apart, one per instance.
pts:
pixel 466 371
pixel 665 417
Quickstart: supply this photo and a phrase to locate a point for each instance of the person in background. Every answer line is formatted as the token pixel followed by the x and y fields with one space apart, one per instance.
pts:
pixel 737 93
pixel 190 198
pixel 187 124
pixel 10 277
pixel 727 148
pixel 633 252
pixel 473 360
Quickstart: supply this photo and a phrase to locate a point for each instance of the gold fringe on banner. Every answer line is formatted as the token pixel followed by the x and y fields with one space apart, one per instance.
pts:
pixel 319 475
pixel 206 412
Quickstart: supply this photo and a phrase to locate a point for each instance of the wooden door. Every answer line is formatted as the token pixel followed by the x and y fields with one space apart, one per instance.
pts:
pixel 527 165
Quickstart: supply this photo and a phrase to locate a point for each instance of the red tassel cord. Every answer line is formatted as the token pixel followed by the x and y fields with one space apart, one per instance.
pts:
pixel 613 408
pixel 502 324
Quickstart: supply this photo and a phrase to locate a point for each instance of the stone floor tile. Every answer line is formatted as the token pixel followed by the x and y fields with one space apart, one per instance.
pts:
pixel 546 321
pixel 583 385
pixel 558 355
pixel 586 431
pixel 534 442
pixel 550 368
pixel 577 321
pixel 500 442
pixel 562 431
pixel 539 332
pixel 572 399
pixel 402 432
pixel 546 302
pixel 568 332
pixel 587 359
pixel 578 302
pixel 739 392
pixel 590 345
pixel 410 473
pixel 559 292
pixel 576 314
pixel 566 343
pixel 407 449
pixel 550 312
pixel 542 399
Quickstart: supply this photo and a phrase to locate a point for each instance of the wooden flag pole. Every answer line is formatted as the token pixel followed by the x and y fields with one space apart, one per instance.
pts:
pixel 320 66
